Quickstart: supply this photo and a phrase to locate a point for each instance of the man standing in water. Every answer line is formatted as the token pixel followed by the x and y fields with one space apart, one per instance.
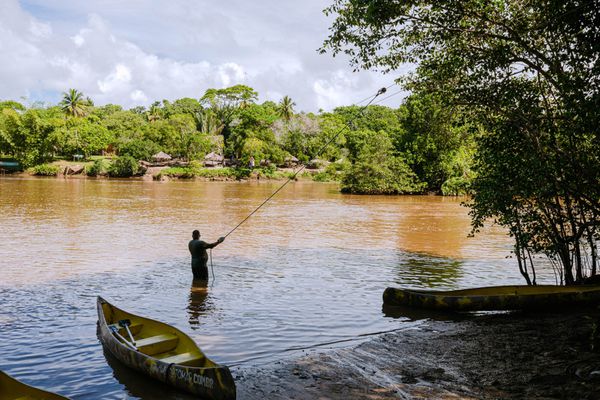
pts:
pixel 199 255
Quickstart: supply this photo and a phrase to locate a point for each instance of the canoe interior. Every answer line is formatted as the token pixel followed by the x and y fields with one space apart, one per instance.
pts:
pixel 12 389
pixel 517 290
pixel 156 339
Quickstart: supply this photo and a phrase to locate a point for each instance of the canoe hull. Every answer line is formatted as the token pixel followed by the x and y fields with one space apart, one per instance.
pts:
pixel 211 383
pixel 10 388
pixel 494 298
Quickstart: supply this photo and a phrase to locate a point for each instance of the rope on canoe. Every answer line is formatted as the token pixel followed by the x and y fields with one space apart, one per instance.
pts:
pixel 303 166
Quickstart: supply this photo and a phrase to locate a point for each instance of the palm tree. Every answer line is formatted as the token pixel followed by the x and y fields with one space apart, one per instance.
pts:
pixel 74 104
pixel 155 112
pixel 286 108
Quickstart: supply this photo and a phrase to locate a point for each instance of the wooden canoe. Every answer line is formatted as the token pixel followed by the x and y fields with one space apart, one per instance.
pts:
pixel 162 352
pixel 12 389
pixel 495 297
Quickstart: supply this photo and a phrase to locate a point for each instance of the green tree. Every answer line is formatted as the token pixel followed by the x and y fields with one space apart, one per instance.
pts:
pixel 376 170
pixel 123 167
pixel 528 73
pixel 253 121
pixel 286 108
pixel 83 135
pixel 208 122
pixel 74 104
pixel 155 112
pixel 12 105
pixel 225 104
pixel 106 110
pixel 185 105
pixel 432 139
pixel 29 136
pixel 299 136
pixel 187 141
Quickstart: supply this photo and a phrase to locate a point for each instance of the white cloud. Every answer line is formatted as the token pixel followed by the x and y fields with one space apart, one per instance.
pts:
pixel 139 97
pixel 116 80
pixel 78 40
pixel 179 52
pixel 40 30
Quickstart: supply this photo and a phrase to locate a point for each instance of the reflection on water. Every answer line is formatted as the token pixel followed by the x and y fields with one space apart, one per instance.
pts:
pixel 417 314
pixel 306 271
pixel 429 272
pixel 198 305
pixel 139 386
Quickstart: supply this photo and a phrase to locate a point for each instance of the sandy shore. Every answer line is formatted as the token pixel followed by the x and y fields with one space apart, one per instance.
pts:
pixel 500 356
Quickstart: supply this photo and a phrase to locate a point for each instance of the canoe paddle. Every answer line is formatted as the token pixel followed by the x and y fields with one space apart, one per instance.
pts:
pixel 115 331
pixel 124 323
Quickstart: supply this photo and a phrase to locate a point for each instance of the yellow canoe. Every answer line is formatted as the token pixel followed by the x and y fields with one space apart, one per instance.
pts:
pixel 162 352
pixel 12 389
pixel 494 297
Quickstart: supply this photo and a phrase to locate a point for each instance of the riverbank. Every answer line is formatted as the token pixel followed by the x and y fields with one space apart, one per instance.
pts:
pixel 499 356
pixel 73 169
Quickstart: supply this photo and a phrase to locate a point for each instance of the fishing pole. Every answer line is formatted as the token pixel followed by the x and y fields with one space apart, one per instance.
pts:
pixel 211 265
pixel 293 176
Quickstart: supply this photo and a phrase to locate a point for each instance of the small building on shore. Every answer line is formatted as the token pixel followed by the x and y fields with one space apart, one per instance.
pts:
pixel 290 162
pixel 213 160
pixel 161 157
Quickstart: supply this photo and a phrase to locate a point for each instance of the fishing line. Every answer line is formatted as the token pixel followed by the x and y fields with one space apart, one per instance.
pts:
pixel 387 97
pixel 363 108
pixel 211 265
pixel 367 98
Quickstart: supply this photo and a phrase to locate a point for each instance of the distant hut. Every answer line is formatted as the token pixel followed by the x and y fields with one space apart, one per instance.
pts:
pixel 290 162
pixel 213 160
pixel 161 157
pixel 315 163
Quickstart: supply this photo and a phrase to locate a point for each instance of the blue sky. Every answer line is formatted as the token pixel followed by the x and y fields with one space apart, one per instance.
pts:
pixel 137 51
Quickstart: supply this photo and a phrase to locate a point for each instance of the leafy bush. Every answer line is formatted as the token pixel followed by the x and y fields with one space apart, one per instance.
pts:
pixel 99 167
pixel 45 170
pixel 271 172
pixel 456 186
pixel 333 172
pixel 394 177
pixel 194 170
pixel 123 167
pixel 178 172
pixel 138 149
pixel 241 173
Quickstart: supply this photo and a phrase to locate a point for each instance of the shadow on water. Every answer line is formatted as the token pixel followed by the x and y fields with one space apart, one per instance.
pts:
pixel 198 304
pixel 141 386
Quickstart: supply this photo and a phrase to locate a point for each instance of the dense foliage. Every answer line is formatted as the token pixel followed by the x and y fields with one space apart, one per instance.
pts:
pixel 527 73
pixel 377 150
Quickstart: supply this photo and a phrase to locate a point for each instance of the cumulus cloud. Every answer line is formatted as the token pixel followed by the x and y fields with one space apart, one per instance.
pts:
pixel 180 52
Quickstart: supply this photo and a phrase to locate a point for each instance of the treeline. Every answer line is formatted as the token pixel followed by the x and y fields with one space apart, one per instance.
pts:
pixel 417 148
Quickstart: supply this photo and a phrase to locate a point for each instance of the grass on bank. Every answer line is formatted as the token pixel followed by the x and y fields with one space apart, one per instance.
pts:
pixel 197 171
pixel 127 166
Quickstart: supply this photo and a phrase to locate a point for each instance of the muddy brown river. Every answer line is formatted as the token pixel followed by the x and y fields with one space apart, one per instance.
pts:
pixel 305 273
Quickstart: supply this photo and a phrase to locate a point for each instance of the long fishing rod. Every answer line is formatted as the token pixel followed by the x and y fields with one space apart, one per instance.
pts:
pixel 379 93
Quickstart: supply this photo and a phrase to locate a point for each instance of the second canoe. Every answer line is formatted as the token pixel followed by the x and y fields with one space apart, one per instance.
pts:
pixel 11 389
pixel 520 297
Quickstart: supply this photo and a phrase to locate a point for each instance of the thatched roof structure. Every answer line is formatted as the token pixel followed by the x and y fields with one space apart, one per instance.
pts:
pixel 161 156
pixel 213 157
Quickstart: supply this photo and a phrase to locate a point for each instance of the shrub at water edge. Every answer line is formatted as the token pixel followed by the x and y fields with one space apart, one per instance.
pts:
pixel 123 167
pixel 45 170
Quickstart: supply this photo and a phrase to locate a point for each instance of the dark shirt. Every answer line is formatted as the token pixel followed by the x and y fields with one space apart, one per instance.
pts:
pixel 198 250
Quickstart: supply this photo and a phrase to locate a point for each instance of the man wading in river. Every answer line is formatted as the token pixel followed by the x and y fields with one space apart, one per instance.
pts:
pixel 199 256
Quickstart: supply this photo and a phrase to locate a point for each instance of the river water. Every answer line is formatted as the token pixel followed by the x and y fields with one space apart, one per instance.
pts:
pixel 305 273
